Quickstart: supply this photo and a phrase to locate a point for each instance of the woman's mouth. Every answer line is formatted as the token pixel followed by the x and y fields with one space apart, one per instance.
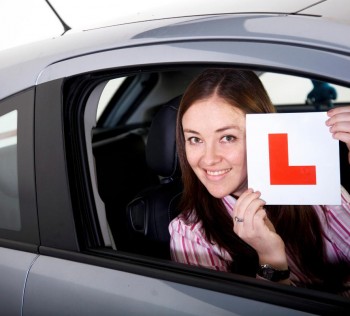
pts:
pixel 217 172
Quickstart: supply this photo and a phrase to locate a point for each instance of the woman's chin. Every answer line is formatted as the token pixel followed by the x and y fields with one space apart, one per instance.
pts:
pixel 219 194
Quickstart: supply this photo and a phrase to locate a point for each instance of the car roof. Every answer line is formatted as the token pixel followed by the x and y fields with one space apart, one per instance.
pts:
pixel 333 9
pixel 20 67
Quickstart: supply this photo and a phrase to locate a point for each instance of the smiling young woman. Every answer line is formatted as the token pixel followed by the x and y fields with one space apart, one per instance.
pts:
pixel 226 226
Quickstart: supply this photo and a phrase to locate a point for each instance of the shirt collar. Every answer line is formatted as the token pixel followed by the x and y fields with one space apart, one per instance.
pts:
pixel 229 202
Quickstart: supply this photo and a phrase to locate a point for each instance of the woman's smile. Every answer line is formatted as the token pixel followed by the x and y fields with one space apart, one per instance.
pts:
pixel 216 173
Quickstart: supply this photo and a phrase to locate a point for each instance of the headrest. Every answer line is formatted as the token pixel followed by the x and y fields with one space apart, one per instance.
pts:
pixel 161 147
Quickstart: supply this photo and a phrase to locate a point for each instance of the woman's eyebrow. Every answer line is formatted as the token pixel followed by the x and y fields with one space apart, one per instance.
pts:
pixel 219 130
pixel 225 128
pixel 187 130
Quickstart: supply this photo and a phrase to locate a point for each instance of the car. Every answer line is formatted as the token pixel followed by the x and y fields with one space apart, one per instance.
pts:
pixel 87 151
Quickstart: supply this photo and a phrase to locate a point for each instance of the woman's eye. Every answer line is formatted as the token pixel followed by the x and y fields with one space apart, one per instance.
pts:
pixel 194 140
pixel 228 138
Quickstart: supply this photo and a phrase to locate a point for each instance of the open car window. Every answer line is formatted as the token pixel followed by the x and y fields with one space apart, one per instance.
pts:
pixel 119 141
pixel 122 223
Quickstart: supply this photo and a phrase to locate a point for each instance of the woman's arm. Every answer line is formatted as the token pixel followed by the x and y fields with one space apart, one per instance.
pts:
pixel 189 246
pixel 253 226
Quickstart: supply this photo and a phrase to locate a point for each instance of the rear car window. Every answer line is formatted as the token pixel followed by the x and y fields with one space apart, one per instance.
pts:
pixel 9 198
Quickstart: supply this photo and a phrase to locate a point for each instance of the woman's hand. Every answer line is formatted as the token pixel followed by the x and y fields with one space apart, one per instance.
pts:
pixel 252 225
pixel 339 123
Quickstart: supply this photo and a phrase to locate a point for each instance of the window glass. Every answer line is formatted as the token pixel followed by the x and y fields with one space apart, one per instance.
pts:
pixel 287 89
pixel 9 200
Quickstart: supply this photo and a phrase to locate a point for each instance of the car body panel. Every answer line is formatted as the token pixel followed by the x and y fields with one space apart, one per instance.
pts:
pixel 80 289
pixel 14 269
pixel 239 52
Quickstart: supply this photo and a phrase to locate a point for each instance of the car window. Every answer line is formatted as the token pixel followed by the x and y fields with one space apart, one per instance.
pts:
pixel 124 181
pixel 18 212
pixel 120 148
pixel 9 200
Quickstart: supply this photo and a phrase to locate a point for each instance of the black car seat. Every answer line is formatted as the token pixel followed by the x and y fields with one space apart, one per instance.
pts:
pixel 151 211
pixel 122 172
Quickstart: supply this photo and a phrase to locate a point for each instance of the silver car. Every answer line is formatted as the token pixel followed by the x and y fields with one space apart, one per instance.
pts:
pixel 88 177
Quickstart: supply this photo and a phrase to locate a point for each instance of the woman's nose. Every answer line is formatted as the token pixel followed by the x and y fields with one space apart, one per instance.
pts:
pixel 211 155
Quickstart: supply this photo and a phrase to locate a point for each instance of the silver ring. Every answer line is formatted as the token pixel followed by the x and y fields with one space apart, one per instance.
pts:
pixel 239 220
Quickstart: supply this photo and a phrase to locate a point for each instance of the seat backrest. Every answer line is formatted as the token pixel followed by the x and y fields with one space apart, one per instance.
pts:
pixel 122 172
pixel 151 211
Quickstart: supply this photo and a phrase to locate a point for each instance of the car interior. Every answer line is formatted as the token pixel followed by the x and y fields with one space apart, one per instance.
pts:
pixel 134 154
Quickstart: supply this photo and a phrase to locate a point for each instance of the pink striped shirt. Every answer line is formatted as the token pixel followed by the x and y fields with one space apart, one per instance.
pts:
pixel 189 245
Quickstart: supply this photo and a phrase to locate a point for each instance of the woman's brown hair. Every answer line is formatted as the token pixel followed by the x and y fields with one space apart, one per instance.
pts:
pixel 298 226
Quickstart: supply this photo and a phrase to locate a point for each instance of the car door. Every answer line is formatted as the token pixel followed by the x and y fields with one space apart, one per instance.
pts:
pixel 65 280
pixel 79 271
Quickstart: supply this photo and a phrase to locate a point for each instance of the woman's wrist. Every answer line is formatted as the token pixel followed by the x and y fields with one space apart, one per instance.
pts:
pixel 278 261
pixel 286 281
pixel 275 256
pixel 268 272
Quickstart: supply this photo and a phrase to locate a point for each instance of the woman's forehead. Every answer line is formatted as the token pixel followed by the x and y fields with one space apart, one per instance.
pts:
pixel 213 112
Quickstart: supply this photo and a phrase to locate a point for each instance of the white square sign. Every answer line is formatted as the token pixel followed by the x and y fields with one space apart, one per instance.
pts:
pixel 293 159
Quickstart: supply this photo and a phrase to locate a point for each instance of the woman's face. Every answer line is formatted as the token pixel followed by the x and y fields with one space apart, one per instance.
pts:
pixel 214 133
